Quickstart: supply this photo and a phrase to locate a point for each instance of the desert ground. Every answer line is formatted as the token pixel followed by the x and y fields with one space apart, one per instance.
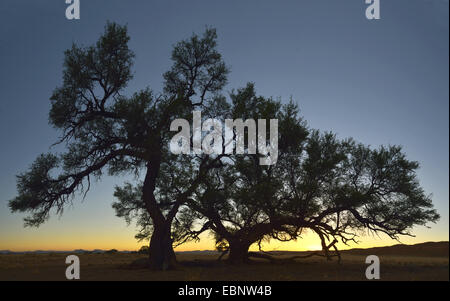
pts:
pixel 428 261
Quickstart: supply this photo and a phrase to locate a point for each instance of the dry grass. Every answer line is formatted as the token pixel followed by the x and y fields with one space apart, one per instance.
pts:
pixel 194 266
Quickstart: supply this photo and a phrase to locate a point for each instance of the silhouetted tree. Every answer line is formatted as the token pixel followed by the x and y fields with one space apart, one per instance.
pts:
pixel 332 187
pixel 178 178
pixel 105 131
pixel 144 250
pixel 336 189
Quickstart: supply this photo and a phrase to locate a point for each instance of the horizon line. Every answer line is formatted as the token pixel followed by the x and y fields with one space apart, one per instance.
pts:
pixel 209 250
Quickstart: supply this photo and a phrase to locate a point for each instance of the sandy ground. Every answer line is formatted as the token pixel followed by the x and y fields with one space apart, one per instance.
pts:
pixel 197 266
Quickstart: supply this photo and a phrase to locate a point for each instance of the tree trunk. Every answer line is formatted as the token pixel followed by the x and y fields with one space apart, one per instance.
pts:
pixel 162 255
pixel 238 252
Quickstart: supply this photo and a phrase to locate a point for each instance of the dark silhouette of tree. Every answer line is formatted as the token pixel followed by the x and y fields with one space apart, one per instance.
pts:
pixel 105 131
pixel 334 188
pixel 143 250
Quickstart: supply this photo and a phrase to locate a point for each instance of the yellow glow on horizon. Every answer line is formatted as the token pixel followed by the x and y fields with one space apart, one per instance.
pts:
pixel 124 240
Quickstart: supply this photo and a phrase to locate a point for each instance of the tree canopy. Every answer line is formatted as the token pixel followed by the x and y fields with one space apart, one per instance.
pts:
pixel 332 187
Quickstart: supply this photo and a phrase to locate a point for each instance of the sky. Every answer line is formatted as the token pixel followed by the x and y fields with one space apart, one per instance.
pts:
pixel 379 81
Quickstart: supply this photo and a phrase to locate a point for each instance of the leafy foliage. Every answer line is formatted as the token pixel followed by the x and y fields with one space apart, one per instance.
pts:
pixel 335 188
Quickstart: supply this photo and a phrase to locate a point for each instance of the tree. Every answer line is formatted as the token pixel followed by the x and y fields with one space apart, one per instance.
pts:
pixel 143 250
pixel 105 131
pixel 334 188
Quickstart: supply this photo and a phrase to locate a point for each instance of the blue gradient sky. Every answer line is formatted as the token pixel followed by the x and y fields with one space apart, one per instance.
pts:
pixel 381 82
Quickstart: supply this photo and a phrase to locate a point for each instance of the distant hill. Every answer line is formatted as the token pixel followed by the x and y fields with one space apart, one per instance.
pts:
pixel 205 252
pixel 426 249
pixel 77 251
